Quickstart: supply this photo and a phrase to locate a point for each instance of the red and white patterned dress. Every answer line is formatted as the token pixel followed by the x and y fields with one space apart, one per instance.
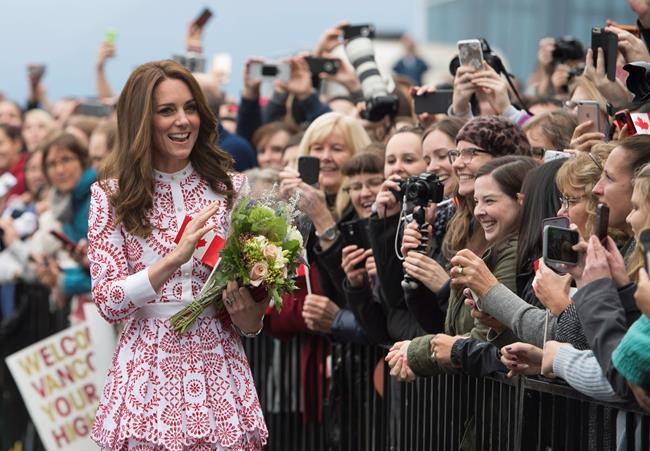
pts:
pixel 168 391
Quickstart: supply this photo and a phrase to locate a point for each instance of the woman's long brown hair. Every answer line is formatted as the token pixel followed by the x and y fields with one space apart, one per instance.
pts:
pixel 131 164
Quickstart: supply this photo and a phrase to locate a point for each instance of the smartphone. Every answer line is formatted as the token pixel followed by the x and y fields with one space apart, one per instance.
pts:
pixel 470 53
pixel 359 31
pixel 550 155
pixel 36 71
pixel 67 243
pixel 203 18
pixel 323 65
pixel 90 107
pixel 556 221
pixel 608 41
pixel 602 221
pixel 557 246
pixel 309 169
pixel 622 119
pixel 111 36
pixel 589 110
pixel 437 102
pixel 644 239
pixel 270 71
pixel 354 232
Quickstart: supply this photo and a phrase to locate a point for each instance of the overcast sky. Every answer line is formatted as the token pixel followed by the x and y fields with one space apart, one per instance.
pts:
pixel 65 34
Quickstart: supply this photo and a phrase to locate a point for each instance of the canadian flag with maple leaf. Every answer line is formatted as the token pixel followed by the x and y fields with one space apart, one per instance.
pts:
pixel 641 123
pixel 208 247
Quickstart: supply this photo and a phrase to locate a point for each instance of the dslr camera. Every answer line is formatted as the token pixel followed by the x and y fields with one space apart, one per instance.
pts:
pixel 420 190
pixel 567 48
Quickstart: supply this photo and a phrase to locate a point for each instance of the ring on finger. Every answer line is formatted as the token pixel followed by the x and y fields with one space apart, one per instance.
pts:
pixel 460 270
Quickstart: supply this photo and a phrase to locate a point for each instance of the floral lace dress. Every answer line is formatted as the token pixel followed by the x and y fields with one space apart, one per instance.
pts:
pixel 168 391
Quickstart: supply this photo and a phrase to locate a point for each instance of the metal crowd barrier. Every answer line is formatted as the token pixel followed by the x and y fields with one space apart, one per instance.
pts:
pixel 364 409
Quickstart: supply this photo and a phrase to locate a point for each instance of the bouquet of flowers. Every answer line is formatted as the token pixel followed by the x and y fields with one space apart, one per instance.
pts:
pixel 263 250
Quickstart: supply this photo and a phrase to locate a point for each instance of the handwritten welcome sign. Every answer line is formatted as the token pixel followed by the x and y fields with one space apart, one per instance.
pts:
pixel 60 379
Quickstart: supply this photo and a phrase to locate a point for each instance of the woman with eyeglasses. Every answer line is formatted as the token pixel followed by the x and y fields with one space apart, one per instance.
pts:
pixel 479 141
pixel 498 208
pixel 575 180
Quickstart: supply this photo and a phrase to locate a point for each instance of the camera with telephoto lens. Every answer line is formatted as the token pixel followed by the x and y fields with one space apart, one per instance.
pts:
pixel 567 48
pixel 358 47
pixel 420 190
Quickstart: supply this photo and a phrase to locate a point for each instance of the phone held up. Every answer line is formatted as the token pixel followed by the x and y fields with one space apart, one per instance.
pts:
pixel 309 169
pixel 608 41
pixel 354 233
pixel 644 239
pixel 622 119
pixel 437 102
pixel 589 110
pixel 602 221
pixel 203 18
pixel 323 65
pixel 67 243
pixel 470 53
pixel 557 247
pixel 270 71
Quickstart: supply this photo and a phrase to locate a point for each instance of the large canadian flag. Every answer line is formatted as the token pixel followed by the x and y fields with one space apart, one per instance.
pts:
pixel 208 247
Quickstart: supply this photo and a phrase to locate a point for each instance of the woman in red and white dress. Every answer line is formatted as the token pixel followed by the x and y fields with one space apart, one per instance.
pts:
pixel 169 391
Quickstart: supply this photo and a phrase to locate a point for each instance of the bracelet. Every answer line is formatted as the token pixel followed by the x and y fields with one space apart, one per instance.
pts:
pixel 248 334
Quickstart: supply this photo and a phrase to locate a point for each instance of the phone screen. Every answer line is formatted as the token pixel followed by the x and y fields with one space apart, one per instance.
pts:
pixel 558 245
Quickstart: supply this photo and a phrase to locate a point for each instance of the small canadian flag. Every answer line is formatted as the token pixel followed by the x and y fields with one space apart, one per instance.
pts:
pixel 208 247
pixel 641 123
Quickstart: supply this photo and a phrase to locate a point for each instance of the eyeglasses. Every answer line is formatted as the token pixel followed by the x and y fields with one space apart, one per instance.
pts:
pixel 64 161
pixel 371 184
pixel 466 154
pixel 568 201
pixel 596 162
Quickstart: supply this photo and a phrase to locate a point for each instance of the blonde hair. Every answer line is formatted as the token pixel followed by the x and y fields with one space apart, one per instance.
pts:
pixel 637 258
pixel 592 91
pixel 349 128
pixel 352 132
pixel 581 174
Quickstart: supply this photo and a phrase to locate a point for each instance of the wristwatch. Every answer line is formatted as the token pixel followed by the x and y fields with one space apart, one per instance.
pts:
pixel 329 234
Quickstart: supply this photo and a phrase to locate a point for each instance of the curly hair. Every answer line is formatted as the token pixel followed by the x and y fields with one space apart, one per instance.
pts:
pixel 132 161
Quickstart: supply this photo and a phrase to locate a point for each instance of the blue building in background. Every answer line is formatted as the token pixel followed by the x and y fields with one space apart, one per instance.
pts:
pixel 516 26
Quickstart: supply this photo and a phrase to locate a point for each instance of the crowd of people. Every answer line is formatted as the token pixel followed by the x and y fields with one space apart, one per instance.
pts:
pixel 450 276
